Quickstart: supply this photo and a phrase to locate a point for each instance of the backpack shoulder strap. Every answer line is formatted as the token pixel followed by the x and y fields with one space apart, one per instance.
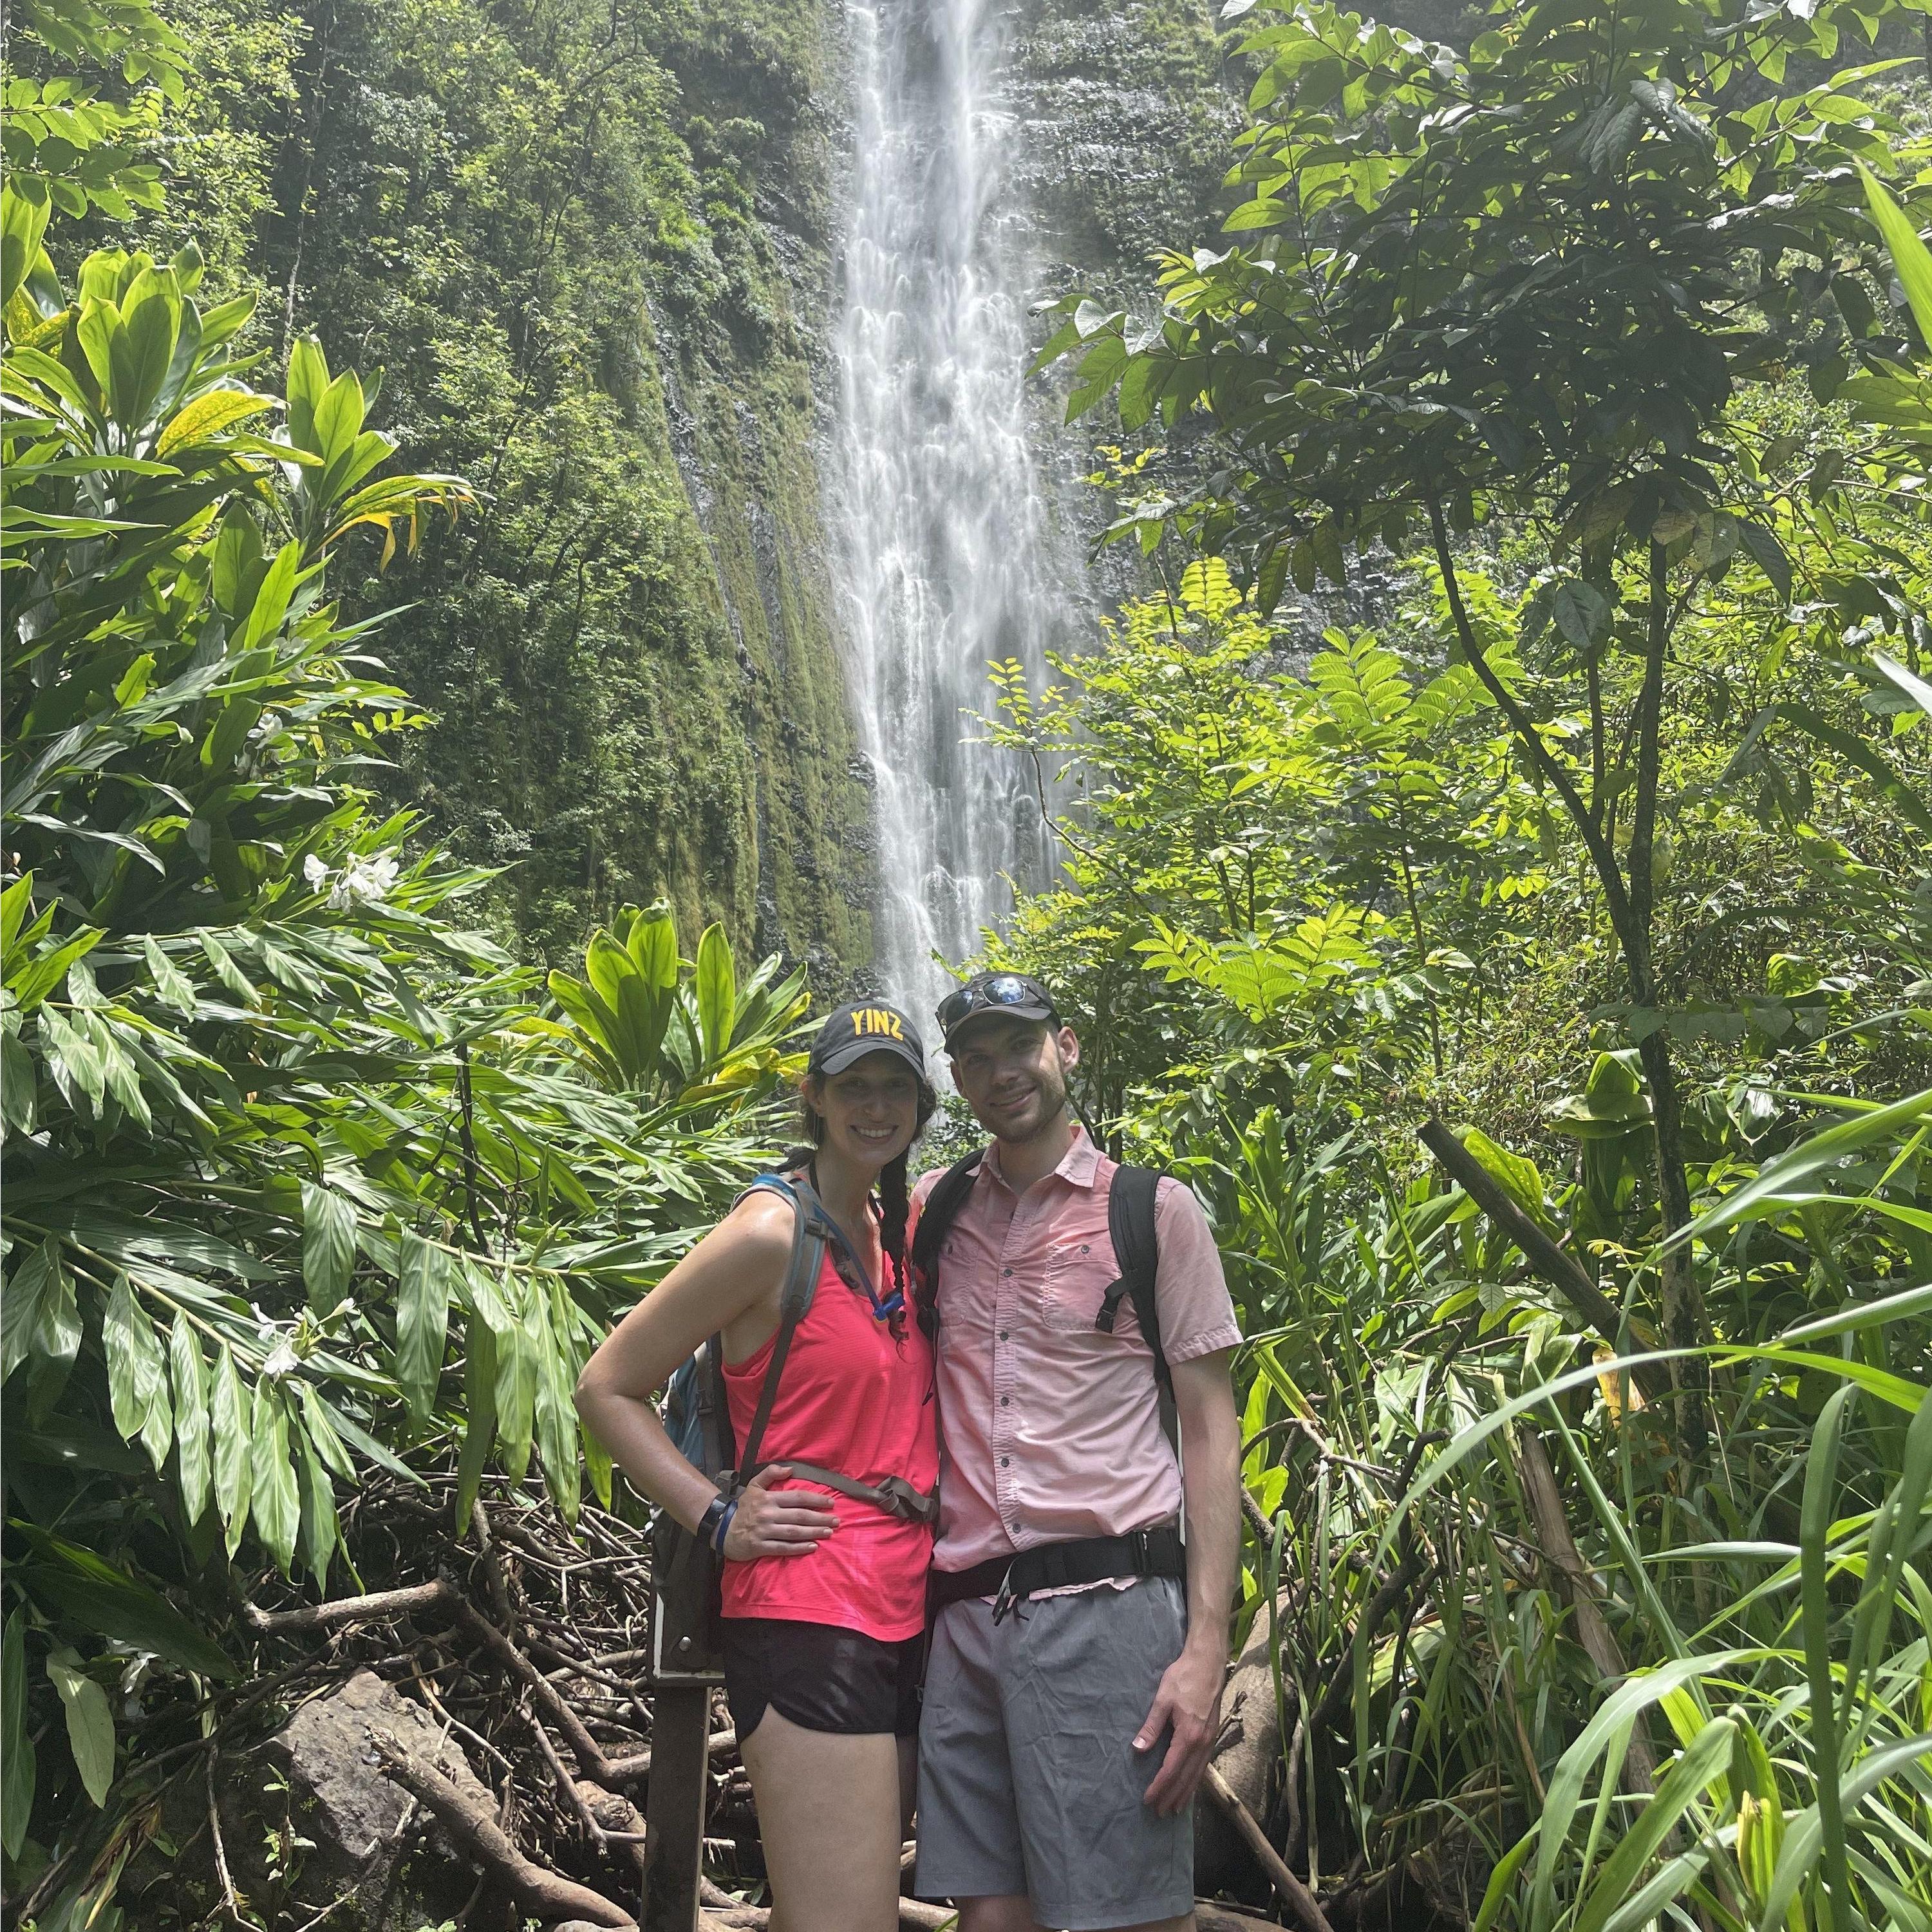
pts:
pixel 801 1283
pixel 936 1214
pixel 1130 1227
pixel 941 1208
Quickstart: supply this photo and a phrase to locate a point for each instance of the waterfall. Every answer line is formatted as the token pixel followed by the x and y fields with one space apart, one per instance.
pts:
pixel 944 549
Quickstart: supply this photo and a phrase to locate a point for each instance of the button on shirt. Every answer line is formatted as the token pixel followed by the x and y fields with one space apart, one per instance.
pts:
pixel 1049 1428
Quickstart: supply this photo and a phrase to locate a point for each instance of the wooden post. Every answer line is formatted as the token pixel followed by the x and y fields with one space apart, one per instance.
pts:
pixel 680 1764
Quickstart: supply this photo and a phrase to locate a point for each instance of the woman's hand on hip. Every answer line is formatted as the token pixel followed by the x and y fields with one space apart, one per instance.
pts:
pixel 773 1522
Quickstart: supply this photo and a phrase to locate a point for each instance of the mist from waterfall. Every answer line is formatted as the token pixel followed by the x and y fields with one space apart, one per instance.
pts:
pixel 946 559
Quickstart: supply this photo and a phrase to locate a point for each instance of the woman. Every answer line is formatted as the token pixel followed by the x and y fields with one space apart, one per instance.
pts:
pixel 824 1596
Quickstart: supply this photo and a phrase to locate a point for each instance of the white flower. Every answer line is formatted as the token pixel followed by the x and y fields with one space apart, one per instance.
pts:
pixel 314 871
pixel 364 881
pixel 281 1359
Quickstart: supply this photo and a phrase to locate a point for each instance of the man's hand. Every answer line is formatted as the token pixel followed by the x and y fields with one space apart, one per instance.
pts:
pixel 778 1522
pixel 1189 1700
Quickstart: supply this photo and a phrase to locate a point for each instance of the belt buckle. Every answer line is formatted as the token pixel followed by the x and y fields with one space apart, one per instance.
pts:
pixel 1003 1602
pixel 1142 1540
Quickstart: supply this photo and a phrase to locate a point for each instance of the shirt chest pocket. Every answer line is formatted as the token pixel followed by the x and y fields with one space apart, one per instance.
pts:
pixel 1078 1275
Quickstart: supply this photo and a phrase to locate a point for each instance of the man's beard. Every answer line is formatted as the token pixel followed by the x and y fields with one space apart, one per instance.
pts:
pixel 1052 1100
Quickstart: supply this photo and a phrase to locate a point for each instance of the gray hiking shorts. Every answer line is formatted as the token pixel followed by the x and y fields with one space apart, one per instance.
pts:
pixel 1028 1780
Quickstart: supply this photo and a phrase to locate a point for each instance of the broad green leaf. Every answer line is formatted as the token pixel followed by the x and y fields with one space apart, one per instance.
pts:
pixel 1816 1514
pixel 516 1397
pixel 23 220
pixel 19 1082
pixel 39 1314
pixel 479 1433
pixel 717 989
pixel 1910 255
pixel 192 1462
pixel 1521 1180
pixel 321 1429
pixel 170 981
pixel 555 1407
pixel 230 975
pixel 422 1320
pixel 231 1428
pixel 136 1373
pixel 272 1496
pixel 90 1724
pixel 18 1770
pixel 67 1581
pixel 328 1245
pixel 318 1533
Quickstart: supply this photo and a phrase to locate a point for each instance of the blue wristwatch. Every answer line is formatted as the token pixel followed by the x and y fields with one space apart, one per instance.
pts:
pixel 716 1520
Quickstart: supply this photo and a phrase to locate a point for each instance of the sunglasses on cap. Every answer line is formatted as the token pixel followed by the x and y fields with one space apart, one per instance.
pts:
pixel 994 993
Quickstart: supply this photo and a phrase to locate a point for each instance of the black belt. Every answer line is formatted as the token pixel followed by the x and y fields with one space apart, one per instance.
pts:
pixel 1054 1566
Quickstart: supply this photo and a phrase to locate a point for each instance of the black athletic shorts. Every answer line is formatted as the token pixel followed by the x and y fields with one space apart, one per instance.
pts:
pixel 822 1678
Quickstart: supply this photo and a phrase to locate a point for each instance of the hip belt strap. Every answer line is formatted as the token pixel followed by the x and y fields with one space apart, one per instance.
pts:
pixel 894 1496
pixel 1054 1566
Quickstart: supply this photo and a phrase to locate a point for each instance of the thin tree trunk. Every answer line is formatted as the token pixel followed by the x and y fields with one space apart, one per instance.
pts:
pixel 1684 1324
pixel 1629 904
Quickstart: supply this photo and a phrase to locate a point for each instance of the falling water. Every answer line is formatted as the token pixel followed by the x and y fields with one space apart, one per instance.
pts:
pixel 947 562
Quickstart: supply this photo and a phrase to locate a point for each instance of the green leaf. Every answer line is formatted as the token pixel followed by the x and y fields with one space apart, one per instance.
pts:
pixel 1910 255
pixel 516 1398
pixel 170 981
pixel 230 975
pixel 1820 1151
pixel 90 1724
pixel 19 1085
pixel 1769 555
pixel 717 986
pixel 39 1314
pixel 479 1390
pixel 422 1320
pixel 234 1446
pixel 1915 688
pixel 137 1381
pixel 320 1426
pixel 1816 1514
pixel 69 1582
pixel 328 1246
pixel 272 1495
pixel 1706 1759
pixel 193 1469
pixel 1582 613
pixel 555 1406
pixel 1521 1178
pixel 23 220
pixel 318 1533
pixel 18 1769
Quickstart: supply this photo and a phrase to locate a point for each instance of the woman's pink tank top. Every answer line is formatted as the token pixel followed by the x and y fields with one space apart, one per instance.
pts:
pixel 852 1398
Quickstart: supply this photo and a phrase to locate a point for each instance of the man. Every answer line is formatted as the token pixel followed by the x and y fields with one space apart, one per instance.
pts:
pixel 1074 1689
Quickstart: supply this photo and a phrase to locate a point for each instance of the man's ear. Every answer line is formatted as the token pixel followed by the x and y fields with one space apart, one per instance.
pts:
pixel 1068 1044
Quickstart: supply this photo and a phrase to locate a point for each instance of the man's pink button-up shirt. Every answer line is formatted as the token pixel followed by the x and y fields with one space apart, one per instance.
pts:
pixel 1049 1429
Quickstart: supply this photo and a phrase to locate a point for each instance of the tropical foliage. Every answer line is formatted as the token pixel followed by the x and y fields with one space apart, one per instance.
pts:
pixel 1590 1568
pixel 304 1175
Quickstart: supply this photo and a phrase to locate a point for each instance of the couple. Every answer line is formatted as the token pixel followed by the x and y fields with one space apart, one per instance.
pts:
pixel 1072 1688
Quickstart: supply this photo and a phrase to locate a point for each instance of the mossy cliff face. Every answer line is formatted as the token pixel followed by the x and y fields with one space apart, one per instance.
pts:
pixel 591 251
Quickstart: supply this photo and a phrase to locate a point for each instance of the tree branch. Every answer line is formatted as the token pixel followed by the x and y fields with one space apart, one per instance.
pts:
pixel 1553 1262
